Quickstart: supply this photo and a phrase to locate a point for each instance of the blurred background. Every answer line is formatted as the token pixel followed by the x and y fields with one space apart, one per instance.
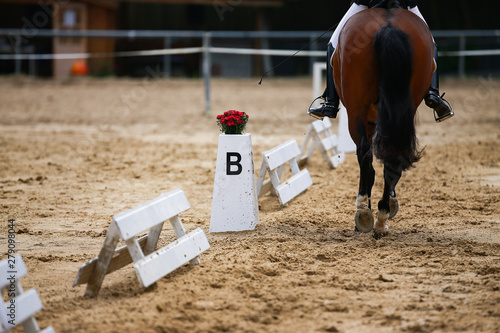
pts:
pixel 43 31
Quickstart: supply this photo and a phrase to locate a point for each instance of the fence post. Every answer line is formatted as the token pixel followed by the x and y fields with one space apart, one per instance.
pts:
pixel 207 65
pixel 32 66
pixel 166 58
pixel 17 50
pixel 314 47
pixel 461 59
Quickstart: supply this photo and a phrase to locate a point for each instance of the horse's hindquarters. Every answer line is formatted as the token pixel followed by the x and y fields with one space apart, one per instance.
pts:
pixel 381 90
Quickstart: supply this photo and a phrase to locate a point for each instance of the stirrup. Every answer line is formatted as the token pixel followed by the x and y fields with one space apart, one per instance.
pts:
pixel 309 109
pixel 446 116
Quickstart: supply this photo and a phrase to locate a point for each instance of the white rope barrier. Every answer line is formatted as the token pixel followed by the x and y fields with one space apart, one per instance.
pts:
pixel 146 53
pixel 284 53
pixel 218 50
pixel 472 53
pixel 50 56
pixel 207 50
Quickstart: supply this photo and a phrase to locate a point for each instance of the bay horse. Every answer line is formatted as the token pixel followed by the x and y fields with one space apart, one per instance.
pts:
pixel 382 69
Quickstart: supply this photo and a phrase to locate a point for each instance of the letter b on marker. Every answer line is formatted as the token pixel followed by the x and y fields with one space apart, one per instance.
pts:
pixel 233 160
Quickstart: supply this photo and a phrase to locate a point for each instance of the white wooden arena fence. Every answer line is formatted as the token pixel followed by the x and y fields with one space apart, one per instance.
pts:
pixel 273 162
pixel 319 135
pixel 21 306
pixel 150 264
pixel 18 36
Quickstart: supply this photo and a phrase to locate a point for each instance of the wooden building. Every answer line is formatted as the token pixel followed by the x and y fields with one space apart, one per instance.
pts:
pixel 103 15
pixel 201 15
pixel 31 15
pixel 82 15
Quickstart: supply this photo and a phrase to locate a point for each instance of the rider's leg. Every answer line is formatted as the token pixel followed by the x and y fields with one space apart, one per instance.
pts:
pixel 442 109
pixel 330 106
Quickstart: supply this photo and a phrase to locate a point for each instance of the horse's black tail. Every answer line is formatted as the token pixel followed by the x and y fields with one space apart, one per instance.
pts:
pixel 395 141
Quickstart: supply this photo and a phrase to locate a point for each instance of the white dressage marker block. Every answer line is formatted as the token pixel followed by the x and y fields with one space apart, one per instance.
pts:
pixel 345 142
pixel 150 264
pixel 273 161
pixel 319 135
pixel 21 306
pixel 234 205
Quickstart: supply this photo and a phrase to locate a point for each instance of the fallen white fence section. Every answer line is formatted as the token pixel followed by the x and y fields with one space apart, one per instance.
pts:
pixel 150 264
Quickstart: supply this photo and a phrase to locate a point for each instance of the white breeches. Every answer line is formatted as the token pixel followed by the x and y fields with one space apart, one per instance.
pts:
pixel 354 9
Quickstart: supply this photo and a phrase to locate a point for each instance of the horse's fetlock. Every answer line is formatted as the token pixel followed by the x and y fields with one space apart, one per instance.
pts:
pixel 382 216
pixel 363 202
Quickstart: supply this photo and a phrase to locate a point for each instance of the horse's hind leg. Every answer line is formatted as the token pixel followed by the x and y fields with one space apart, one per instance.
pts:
pixel 388 206
pixel 393 205
pixel 364 217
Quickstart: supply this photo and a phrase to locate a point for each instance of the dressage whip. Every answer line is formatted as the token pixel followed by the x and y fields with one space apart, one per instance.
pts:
pixel 301 49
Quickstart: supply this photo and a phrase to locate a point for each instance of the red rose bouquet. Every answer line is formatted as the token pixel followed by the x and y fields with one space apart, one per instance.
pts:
pixel 232 122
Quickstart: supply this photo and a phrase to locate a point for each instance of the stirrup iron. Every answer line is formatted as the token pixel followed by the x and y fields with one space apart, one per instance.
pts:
pixel 309 108
pixel 449 115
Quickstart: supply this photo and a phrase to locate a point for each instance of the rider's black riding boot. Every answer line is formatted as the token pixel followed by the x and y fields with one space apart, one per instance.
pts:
pixel 442 109
pixel 330 106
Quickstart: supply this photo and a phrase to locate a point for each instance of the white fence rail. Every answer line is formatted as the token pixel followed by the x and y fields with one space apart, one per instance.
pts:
pixel 17 37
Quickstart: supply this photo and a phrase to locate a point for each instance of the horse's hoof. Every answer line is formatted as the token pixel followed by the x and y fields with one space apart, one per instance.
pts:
pixel 379 234
pixel 381 229
pixel 364 220
pixel 393 206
